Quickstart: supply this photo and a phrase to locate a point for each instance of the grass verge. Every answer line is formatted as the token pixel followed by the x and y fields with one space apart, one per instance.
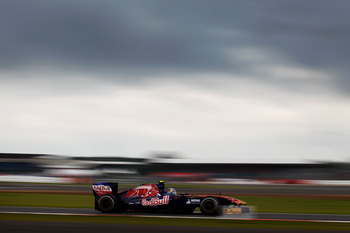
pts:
pixel 46 200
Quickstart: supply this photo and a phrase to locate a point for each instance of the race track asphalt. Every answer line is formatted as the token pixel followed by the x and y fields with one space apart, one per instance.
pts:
pixel 84 211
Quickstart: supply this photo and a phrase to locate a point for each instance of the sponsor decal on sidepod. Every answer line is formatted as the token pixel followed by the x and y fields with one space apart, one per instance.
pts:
pixel 193 201
pixel 156 201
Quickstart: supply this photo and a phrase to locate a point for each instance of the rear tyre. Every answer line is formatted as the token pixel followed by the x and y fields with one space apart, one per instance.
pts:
pixel 210 206
pixel 106 203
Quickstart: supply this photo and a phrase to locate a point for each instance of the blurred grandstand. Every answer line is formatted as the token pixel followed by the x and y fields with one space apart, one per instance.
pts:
pixel 85 169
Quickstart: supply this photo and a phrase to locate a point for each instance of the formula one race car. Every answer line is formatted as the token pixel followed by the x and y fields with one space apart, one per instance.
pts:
pixel 154 198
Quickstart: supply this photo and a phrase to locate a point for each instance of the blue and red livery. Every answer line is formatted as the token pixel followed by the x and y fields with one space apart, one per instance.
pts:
pixel 153 198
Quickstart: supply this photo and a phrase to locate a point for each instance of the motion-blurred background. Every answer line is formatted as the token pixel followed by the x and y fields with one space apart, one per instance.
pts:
pixel 133 88
pixel 64 169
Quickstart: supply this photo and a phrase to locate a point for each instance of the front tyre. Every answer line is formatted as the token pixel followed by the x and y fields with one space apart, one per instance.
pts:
pixel 106 203
pixel 210 206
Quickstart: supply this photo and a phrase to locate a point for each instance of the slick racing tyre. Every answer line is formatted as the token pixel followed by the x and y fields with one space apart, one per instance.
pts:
pixel 106 203
pixel 210 206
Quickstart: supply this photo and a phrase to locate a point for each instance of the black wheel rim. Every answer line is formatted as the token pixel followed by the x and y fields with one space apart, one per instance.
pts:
pixel 209 205
pixel 106 203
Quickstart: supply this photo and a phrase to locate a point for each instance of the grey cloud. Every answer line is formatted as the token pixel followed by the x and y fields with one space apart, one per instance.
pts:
pixel 92 34
pixel 172 35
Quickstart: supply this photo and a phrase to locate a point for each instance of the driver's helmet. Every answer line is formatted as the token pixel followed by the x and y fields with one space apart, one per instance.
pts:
pixel 171 191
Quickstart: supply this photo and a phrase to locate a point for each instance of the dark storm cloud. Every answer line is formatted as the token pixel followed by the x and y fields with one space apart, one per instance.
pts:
pixel 172 35
pixel 99 34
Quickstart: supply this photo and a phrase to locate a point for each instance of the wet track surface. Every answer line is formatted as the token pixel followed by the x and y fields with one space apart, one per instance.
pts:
pixel 83 211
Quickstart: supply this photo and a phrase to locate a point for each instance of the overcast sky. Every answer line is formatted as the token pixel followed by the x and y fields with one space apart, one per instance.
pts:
pixel 223 81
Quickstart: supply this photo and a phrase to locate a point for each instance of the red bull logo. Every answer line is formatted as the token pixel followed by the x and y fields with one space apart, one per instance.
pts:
pixel 156 201
pixel 102 189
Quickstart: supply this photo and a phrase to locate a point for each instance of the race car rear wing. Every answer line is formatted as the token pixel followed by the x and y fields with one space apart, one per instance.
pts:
pixel 101 189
